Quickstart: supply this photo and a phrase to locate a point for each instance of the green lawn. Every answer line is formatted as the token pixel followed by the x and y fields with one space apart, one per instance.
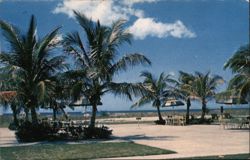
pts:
pixel 79 151
pixel 5 121
pixel 234 156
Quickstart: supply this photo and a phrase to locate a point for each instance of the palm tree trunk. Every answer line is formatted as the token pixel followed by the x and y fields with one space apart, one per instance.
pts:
pixel 54 114
pixel 33 115
pixel 93 116
pixel 14 110
pixel 26 110
pixel 248 100
pixel 188 107
pixel 64 113
pixel 203 110
pixel 159 113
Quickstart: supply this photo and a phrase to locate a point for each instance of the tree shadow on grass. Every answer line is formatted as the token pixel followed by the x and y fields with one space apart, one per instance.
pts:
pixel 239 129
pixel 143 137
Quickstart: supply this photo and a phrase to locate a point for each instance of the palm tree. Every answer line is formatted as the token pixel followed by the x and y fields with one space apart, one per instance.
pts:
pixel 58 96
pixel 155 91
pixel 203 88
pixel 239 63
pixel 33 62
pixel 183 91
pixel 97 61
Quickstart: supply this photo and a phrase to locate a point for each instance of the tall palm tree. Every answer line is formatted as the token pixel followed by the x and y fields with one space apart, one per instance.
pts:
pixel 203 88
pixel 239 63
pixel 155 91
pixel 97 61
pixel 183 91
pixel 33 62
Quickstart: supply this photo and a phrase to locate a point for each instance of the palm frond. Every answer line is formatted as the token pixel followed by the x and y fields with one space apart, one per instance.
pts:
pixel 31 34
pixel 142 101
pixel 87 25
pixel 44 44
pixel 118 35
pixel 12 35
pixel 129 61
pixel 240 61
pixel 126 89
pixel 76 90
pixel 72 42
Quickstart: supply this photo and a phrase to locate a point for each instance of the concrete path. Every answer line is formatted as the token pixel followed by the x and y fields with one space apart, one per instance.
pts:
pixel 7 137
pixel 187 141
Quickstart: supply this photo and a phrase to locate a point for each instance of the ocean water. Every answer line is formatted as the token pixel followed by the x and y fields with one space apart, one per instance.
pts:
pixel 176 110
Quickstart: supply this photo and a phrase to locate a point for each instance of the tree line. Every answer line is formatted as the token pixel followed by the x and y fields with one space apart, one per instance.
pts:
pixel 34 75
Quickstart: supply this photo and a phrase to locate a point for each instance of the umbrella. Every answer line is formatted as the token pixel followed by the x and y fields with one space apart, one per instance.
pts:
pixel 231 100
pixel 172 103
pixel 82 101
pixel 7 96
pixel 228 98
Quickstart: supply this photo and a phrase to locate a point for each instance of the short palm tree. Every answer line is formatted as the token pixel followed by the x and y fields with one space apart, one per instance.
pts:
pixel 183 91
pixel 239 63
pixel 58 95
pixel 155 91
pixel 203 88
pixel 97 61
pixel 33 61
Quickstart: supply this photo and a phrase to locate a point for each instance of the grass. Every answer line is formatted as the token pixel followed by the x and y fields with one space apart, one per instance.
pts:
pixel 79 151
pixel 5 121
pixel 233 156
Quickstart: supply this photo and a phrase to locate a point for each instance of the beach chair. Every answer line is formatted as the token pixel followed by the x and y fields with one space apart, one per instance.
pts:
pixel 183 121
pixel 214 116
pixel 169 120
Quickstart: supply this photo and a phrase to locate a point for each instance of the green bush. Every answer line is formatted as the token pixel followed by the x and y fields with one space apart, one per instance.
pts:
pixel 43 131
pixel 97 132
pixel 12 126
pixel 160 122
pixel 29 132
pixel 200 121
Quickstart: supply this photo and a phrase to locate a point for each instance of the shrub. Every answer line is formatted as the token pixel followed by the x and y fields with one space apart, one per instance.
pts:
pixel 97 132
pixel 13 126
pixel 29 132
pixel 160 122
pixel 200 121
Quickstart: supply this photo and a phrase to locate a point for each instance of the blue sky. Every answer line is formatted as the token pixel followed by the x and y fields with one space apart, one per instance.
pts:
pixel 188 35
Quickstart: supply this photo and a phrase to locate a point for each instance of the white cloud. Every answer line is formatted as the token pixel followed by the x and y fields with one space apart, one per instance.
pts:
pixel 110 10
pixel 132 2
pixel 105 11
pixel 144 27
pixel 247 0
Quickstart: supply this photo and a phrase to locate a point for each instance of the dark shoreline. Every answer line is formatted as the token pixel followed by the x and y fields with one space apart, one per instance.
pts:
pixel 242 110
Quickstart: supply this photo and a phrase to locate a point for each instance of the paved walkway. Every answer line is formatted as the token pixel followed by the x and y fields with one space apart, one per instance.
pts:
pixel 7 137
pixel 187 141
